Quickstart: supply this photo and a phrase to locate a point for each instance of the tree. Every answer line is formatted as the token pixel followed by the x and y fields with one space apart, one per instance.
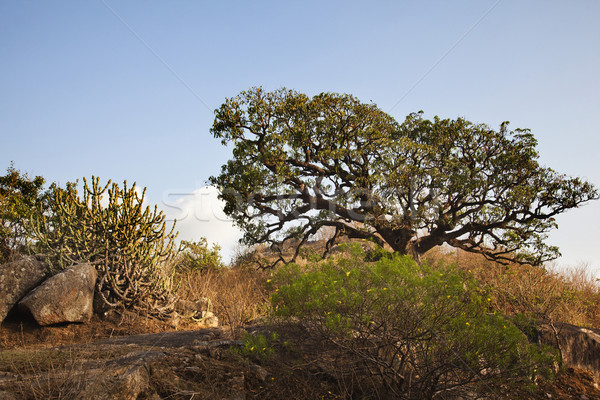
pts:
pixel 300 164
pixel 20 197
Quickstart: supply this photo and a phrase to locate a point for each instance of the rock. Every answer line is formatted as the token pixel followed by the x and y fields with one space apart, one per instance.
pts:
pixel 580 347
pixel 193 309
pixel 198 310
pixel 208 320
pixel 65 297
pixel 261 373
pixel 16 279
pixel 125 378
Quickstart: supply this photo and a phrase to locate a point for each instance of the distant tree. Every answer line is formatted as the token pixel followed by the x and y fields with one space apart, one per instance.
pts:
pixel 300 164
pixel 20 196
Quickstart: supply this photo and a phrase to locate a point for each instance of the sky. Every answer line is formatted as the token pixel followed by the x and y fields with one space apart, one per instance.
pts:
pixel 127 90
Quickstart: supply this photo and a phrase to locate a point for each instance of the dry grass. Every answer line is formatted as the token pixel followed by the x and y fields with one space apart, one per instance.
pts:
pixel 571 295
pixel 238 295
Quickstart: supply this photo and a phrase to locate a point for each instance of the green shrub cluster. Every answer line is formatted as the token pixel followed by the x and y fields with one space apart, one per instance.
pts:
pixel 420 331
pixel 197 256
pixel 257 347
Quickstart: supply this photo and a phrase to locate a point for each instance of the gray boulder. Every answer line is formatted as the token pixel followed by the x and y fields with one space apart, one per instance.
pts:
pixel 17 279
pixel 65 297
pixel 580 347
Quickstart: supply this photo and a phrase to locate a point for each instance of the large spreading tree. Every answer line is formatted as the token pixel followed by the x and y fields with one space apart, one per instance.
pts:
pixel 301 164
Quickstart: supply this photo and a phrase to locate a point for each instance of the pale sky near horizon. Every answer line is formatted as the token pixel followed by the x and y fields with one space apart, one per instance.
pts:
pixel 126 90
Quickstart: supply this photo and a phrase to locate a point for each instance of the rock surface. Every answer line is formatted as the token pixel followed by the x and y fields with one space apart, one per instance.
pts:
pixel 65 297
pixel 16 279
pixel 124 378
pixel 580 347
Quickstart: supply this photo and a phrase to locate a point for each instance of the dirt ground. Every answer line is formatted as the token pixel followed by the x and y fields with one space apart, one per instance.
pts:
pixel 191 363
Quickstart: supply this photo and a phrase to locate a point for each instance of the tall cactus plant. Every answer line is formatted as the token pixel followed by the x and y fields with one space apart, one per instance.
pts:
pixel 110 227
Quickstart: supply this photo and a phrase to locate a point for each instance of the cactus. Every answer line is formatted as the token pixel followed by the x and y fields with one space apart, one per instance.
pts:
pixel 127 242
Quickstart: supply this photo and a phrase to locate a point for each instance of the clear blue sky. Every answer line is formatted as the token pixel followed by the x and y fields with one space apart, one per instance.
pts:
pixel 126 90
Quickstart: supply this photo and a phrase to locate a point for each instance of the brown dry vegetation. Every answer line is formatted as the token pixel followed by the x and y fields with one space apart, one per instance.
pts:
pixel 570 295
pixel 240 297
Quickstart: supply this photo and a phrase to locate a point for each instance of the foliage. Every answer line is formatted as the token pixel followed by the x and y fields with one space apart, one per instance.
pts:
pixel 20 196
pixel 425 332
pixel 126 241
pixel 257 347
pixel 301 164
pixel 198 256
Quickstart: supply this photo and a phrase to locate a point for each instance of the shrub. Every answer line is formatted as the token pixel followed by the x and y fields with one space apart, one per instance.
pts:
pixel 422 332
pixel 126 241
pixel 257 347
pixel 197 256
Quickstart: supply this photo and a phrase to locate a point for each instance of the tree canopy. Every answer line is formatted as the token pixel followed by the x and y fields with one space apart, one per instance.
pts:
pixel 301 164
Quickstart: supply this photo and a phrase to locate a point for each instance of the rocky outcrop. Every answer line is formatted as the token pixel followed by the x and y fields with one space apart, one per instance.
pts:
pixel 65 297
pixel 17 279
pixel 580 347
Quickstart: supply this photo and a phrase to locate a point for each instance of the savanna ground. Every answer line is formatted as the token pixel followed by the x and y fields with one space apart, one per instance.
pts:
pixel 42 361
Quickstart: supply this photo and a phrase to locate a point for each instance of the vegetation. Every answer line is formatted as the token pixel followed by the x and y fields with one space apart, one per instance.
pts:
pixel 197 256
pixel 544 294
pixel 365 322
pixel 300 164
pixel 424 332
pixel 126 241
pixel 20 196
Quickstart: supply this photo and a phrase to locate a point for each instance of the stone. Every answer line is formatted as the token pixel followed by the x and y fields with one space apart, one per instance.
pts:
pixel 17 279
pixel 193 309
pixel 199 311
pixel 260 373
pixel 208 320
pixel 580 347
pixel 65 297
pixel 125 378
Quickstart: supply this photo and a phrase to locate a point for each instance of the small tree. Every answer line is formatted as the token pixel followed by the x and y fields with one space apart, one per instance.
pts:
pixel 300 164
pixel 197 256
pixel 126 241
pixel 20 196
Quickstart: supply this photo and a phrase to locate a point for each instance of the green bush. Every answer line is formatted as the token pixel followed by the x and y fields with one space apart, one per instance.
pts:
pixel 197 256
pixel 257 347
pixel 420 331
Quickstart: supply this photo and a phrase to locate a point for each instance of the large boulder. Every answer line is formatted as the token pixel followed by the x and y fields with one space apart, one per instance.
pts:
pixel 65 297
pixel 17 279
pixel 580 347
